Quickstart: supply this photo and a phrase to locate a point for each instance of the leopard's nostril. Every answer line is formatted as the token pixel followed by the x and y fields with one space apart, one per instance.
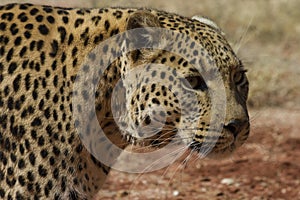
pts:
pixel 235 126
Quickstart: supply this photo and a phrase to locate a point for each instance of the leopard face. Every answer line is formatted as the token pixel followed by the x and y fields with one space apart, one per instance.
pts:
pixel 42 50
pixel 173 95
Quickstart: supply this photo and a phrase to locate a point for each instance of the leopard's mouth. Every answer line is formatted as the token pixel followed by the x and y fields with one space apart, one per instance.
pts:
pixel 220 146
pixel 213 149
pixel 211 144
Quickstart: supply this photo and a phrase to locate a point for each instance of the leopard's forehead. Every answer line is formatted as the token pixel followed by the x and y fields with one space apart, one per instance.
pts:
pixel 206 33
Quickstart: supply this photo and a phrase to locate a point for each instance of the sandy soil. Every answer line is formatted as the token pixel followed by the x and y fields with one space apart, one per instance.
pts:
pixel 266 167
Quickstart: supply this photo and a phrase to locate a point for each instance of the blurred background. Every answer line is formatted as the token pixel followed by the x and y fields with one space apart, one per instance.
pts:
pixel 265 35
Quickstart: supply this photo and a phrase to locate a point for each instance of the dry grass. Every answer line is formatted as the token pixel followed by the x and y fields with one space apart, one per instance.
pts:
pixel 264 33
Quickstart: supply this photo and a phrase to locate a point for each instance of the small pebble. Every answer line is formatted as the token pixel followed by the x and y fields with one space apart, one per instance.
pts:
pixel 227 181
pixel 283 191
pixel 175 193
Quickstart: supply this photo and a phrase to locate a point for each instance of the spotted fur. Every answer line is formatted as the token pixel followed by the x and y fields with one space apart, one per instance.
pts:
pixel 41 51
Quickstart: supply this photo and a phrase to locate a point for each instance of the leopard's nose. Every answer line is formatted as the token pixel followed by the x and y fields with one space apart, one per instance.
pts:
pixel 235 126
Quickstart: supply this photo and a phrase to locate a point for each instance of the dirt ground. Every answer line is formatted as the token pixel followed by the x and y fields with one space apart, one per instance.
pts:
pixel 266 167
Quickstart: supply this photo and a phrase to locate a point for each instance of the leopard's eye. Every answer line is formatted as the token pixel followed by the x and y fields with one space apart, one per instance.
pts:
pixel 195 83
pixel 239 77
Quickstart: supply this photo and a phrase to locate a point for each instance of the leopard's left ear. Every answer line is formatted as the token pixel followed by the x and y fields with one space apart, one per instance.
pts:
pixel 145 24
pixel 145 34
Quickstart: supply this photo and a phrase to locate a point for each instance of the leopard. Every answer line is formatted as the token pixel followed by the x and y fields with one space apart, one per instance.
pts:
pixel 44 153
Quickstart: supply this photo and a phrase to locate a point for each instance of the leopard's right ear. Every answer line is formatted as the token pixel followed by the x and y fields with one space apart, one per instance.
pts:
pixel 208 22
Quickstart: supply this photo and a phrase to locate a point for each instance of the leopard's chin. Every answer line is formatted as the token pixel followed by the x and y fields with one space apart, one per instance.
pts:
pixel 220 147
pixel 214 152
pixel 222 153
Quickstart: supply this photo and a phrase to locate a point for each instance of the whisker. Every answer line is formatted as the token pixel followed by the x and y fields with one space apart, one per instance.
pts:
pixel 243 36
pixel 179 166
pixel 255 116
pixel 154 163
